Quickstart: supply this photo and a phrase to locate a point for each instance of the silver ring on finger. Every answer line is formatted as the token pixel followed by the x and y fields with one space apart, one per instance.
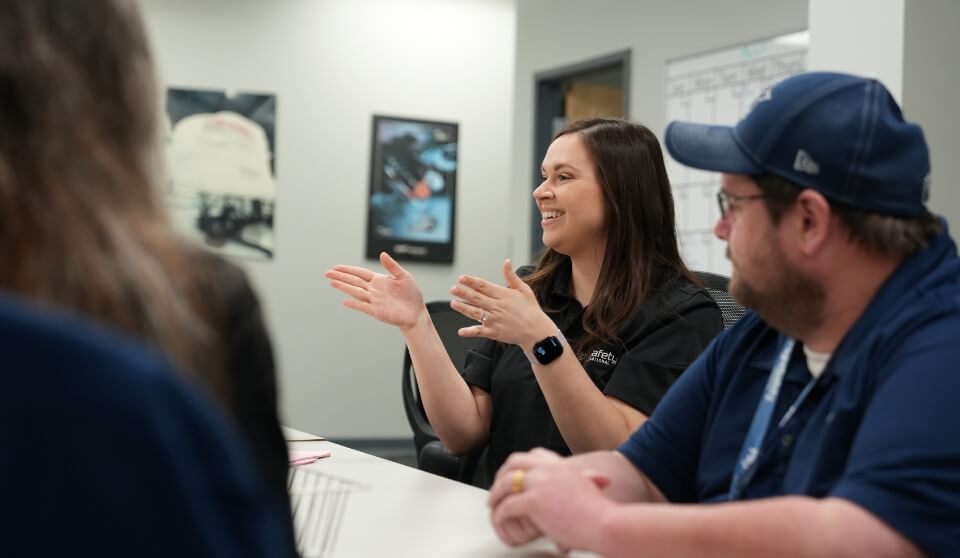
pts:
pixel 483 316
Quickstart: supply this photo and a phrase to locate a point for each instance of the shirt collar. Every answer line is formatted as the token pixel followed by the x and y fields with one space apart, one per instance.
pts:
pixel 766 357
pixel 918 273
pixel 561 304
pixel 914 273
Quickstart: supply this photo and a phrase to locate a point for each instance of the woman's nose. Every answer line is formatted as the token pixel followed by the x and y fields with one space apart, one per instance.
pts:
pixel 542 191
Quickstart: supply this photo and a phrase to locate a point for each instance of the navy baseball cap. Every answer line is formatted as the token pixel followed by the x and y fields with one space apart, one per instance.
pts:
pixel 839 134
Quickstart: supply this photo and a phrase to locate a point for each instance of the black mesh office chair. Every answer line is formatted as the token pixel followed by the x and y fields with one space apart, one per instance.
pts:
pixel 431 455
pixel 716 286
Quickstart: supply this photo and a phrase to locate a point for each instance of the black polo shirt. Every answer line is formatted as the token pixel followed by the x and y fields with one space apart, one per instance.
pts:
pixel 659 341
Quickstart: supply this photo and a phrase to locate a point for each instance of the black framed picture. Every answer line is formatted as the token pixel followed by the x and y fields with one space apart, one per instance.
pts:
pixel 411 207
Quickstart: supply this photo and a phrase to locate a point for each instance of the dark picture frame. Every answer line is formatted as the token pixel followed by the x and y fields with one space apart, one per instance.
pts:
pixel 411 205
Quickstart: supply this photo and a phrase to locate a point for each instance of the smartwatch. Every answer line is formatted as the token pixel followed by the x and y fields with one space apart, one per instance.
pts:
pixel 547 350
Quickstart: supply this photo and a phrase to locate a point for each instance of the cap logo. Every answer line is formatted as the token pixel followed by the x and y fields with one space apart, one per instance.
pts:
pixel 805 163
pixel 765 95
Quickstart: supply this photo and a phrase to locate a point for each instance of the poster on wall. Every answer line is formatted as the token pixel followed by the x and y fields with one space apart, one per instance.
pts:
pixel 222 177
pixel 413 185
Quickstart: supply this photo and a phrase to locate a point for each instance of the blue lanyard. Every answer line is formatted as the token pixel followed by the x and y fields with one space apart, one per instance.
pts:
pixel 750 452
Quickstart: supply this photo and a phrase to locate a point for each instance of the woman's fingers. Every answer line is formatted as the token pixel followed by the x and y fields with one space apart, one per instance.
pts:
pixel 471 331
pixel 481 286
pixel 513 280
pixel 352 281
pixel 348 278
pixel 359 293
pixel 477 291
pixel 474 313
pixel 469 310
pixel 392 266
pixel 470 296
pixel 361 272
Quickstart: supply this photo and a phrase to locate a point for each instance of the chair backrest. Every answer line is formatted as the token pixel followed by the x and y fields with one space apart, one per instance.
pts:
pixel 447 321
pixel 107 453
pixel 716 286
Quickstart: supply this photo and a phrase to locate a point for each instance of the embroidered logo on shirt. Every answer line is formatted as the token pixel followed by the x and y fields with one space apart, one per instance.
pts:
pixel 603 357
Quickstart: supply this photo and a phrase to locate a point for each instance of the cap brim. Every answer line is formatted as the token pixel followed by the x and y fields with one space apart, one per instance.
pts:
pixel 711 148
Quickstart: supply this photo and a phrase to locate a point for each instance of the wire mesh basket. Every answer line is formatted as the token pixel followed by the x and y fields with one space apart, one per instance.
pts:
pixel 318 501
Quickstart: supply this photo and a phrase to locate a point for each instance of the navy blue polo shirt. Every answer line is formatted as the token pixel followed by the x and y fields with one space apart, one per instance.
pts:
pixel 881 428
pixel 107 453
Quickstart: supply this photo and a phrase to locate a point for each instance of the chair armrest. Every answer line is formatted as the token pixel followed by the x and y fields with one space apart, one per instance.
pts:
pixel 435 458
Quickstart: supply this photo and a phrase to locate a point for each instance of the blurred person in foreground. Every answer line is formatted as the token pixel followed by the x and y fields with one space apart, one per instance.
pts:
pixel 83 225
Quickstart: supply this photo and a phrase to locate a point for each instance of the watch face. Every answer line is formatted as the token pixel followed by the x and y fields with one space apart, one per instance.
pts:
pixel 548 350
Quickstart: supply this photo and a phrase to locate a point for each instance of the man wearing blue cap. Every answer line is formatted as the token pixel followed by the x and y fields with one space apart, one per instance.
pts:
pixel 824 423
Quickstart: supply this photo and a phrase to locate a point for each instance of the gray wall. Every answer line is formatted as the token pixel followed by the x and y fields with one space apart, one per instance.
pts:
pixel 332 64
pixel 931 80
pixel 557 33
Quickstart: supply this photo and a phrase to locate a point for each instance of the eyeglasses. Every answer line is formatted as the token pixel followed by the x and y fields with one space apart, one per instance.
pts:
pixel 728 201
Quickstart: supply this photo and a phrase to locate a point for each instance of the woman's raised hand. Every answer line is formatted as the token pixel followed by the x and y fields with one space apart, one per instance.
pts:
pixel 508 314
pixel 394 299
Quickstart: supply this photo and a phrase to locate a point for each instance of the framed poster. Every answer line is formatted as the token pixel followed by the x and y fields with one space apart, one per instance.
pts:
pixel 220 152
pixel 413 186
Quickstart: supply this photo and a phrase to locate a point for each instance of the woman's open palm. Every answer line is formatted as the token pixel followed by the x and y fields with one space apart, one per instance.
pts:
pixel 394 299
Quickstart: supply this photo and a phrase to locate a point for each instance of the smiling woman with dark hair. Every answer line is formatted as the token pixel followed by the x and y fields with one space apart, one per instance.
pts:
pixel 575 354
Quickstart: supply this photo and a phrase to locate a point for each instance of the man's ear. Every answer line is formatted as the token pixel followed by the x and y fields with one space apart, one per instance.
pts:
pixel 814 223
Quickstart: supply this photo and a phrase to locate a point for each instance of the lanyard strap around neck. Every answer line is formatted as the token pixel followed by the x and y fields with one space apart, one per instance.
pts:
pixel 749 457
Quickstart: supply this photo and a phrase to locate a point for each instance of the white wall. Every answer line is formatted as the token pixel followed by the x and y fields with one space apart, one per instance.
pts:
pixel 332 64
pixel 911 46
pixel 864 37
pixel 557 33
pixel 930 85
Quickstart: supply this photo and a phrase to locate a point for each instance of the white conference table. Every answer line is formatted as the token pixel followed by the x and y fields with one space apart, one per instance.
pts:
pixel 403 511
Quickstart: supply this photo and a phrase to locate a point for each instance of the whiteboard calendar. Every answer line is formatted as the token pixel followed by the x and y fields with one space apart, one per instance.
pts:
pixel 718 88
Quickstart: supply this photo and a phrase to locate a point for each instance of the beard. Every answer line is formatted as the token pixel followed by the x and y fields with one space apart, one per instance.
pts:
pixel 789 300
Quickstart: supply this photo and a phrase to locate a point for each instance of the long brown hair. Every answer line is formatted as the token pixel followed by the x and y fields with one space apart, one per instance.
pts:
pixel 641 244
pixel 81 223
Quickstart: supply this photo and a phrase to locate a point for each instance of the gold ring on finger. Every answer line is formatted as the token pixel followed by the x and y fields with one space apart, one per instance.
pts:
pixel 517 485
